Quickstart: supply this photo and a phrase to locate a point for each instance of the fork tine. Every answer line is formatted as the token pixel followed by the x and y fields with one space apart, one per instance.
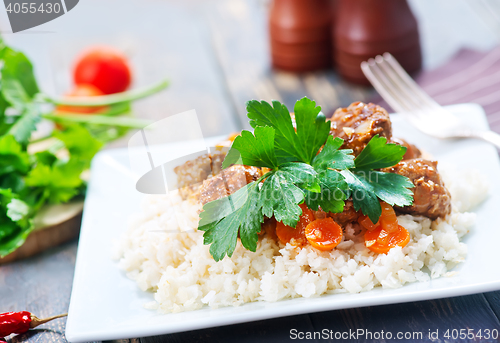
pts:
pixel 424 105
pixel 406 94
pixel 406 97
pixel 383 85
pixel 409 82
pixel 419 109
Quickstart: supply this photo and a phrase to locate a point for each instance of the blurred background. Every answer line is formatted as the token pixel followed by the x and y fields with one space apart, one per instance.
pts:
pixel 217 54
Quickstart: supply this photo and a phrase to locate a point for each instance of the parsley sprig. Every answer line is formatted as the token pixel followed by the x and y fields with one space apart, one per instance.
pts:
pixel 29 180
pixel 299 174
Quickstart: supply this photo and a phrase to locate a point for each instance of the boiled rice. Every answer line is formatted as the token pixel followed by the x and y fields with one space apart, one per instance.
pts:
pixel 164 253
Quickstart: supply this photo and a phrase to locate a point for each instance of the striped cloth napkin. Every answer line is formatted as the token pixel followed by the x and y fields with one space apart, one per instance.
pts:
pixel 470 76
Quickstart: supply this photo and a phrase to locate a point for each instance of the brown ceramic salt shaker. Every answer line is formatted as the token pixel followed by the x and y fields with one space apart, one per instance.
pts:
pixel 365 28
pixel 300 34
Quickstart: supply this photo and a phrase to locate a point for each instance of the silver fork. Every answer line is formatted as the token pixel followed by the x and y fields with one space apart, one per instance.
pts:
pixel 399 90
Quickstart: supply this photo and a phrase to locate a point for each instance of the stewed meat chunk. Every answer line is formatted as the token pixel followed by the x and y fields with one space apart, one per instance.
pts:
pixel 348 215
pixel 227 182
pixel 358 123
pixel 431 198
pixel 191 174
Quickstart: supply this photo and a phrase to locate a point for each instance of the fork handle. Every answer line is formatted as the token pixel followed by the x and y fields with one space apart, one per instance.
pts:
pixel 489 136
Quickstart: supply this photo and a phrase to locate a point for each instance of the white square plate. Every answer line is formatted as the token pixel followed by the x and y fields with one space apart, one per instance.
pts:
pixel 105 304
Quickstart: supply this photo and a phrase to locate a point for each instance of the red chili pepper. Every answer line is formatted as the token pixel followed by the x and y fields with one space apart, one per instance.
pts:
pixel 20 322
pixel 14 322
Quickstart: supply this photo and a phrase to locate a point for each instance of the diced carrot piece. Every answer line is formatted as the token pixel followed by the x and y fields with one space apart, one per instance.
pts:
pixel 389 226
pixel 367 223
pixel 383 237
pixel 381 241
pixel 295 236
pixel 388 219
pixel 324 234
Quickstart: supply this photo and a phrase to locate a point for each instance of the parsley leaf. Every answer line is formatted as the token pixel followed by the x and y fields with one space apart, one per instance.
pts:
pixel 46 157
pixel 333 186
pixel 331 157
pixel 26 124
pixel 281 196
pixel 377 154
pixel 18 88
pixel 224 218
pixel 291 146
pixel 233 156
pixel 12 157
pixel 80 143
pixel 255 149
pixel 60 181
pixel 15 221
pixel 363 194
pixel 332 195
pixel 14 93
pixel 312 127
pixel 18 67
pixel 302 174
pixel 367 186
pixel 299 174
pixel 276 116
pixel 394 189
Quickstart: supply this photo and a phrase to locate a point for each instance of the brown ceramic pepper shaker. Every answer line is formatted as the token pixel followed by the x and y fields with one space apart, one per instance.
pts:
pixel 366 28
pixel 300 34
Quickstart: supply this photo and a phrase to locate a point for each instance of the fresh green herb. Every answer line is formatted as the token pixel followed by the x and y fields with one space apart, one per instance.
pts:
pixel 378 154
pixel 331 156
pixel 26 123
pixel 367 184
pixel 224 218
pixel 306 165
pixel 15 221
pixel 282 196
pixel 290 145
pixel 29 181
pixel 256 150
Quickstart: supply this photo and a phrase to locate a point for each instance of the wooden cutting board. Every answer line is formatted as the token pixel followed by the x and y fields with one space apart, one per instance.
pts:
pixel 54 225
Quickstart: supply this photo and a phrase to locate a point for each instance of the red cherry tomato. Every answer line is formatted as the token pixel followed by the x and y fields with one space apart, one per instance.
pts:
pixel 104 68
pixel 82 91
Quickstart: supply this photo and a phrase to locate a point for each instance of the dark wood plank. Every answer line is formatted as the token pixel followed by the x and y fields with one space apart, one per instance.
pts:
pixel 41 285
pixel 493 299
pixel 467 312
pixel 271 330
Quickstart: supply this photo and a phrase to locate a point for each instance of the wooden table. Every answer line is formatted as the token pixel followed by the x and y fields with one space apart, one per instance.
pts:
pixel 216 54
